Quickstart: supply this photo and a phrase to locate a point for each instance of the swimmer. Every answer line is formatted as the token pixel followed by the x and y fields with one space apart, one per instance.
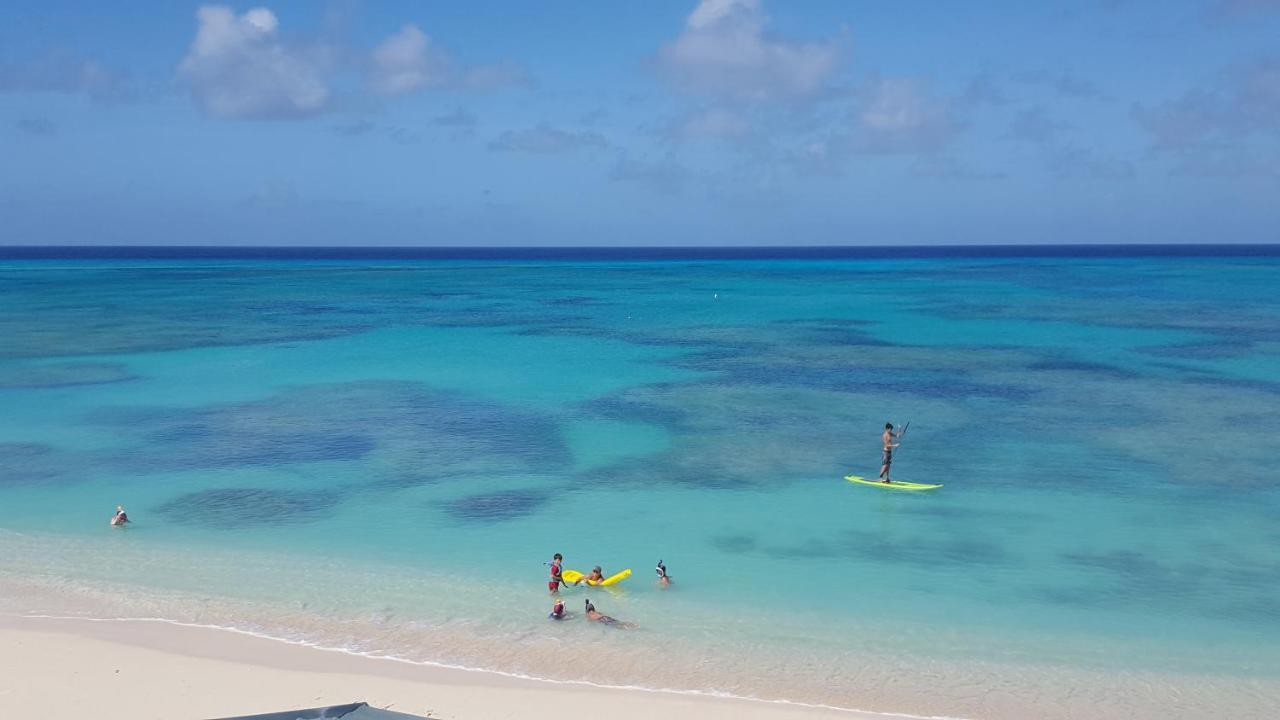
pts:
pixel 595 578
pixel 664 580
pixel 120 518
pixel 597 616
pixel 557 610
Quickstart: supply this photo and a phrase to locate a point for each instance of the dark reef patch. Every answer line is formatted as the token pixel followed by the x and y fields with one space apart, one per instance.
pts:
pixel 409 433
pixel 941 385
pixel 62 375
pixel 1103 370
pixel 1125 563
pixel 22 462
pixel 636 410
pixel 498 506
pixel 232 508
pixel 918 551
pixel 573 300
pixel 735 544
pixel 1211 350
pixel 875 548
pixel 834 332
pixel 1203 378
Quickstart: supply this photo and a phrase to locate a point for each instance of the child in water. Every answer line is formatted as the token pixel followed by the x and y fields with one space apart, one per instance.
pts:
pixel 557 610
pixel 120 518
pixel 556 580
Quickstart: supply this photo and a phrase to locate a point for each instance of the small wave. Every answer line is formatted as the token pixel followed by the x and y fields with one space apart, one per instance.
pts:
pixel 516 675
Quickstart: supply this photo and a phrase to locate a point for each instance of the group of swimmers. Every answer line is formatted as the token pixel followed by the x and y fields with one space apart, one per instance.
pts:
pixel 558 610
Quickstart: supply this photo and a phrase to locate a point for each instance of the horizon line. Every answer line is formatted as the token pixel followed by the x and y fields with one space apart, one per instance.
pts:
pixel 630 253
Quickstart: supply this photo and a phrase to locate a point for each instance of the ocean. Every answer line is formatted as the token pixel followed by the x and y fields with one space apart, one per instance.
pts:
pixel 379 450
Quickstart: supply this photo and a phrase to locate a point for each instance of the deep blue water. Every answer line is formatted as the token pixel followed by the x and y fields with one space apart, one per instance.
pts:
pixel 824 252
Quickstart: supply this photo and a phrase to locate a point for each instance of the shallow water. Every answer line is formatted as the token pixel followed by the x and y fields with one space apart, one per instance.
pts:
pixel 380 455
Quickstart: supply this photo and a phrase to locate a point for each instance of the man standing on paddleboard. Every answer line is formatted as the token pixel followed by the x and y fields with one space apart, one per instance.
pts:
pixel 887 440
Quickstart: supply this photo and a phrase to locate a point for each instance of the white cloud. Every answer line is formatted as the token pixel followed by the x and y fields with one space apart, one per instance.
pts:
pixel 406 62
pixel 461 122
pixel 237 67
pixel 715 124
pixel 1243 103
pixel 68 75
pixel 903 116
pixel 493 77
pixel 1034 125
pixel 724 53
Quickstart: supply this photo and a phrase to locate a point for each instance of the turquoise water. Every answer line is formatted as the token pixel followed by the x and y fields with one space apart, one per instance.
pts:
pixel 380 456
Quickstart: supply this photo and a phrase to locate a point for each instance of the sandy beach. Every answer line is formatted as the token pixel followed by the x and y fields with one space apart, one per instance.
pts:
pixel 71 668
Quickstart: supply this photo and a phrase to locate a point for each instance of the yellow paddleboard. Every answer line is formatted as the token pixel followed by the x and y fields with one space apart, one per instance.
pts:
pixel 895 485
pixel 573 576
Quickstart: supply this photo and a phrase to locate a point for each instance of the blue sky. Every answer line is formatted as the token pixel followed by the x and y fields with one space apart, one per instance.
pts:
pixel 721 122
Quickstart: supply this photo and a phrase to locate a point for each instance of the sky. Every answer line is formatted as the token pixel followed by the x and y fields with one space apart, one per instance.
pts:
pixel 663 122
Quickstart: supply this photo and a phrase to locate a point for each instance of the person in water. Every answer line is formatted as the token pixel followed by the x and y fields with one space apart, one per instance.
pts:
pixel 595 578
pixel 664 580
pixel 120 518
pixel 557 610
pixel 887 440
pixel 557 579
pixel 597 616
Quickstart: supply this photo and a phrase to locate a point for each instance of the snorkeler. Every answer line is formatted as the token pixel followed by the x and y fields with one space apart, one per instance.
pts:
pixel 557 610
pixel 556 578
pixel 120 518
pixel 597 616
pixel 664 580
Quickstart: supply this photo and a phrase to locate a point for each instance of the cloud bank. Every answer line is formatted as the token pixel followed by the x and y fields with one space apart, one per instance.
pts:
pixel 407 61
pixel 723 52
pixel 237 67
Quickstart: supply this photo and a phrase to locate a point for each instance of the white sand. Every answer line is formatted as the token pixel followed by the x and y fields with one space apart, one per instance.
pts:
pixel 75 669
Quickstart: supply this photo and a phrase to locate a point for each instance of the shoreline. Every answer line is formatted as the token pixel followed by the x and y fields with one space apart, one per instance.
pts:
pixel 108 620
pixel 217 672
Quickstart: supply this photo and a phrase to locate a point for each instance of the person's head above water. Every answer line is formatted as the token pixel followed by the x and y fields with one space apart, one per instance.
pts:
pixel 588 605
pixel 596 569
pixel 661 569
pixel 888 426
pixel 557 556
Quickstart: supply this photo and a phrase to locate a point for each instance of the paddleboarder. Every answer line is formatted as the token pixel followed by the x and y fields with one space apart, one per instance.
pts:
pixel 887 440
